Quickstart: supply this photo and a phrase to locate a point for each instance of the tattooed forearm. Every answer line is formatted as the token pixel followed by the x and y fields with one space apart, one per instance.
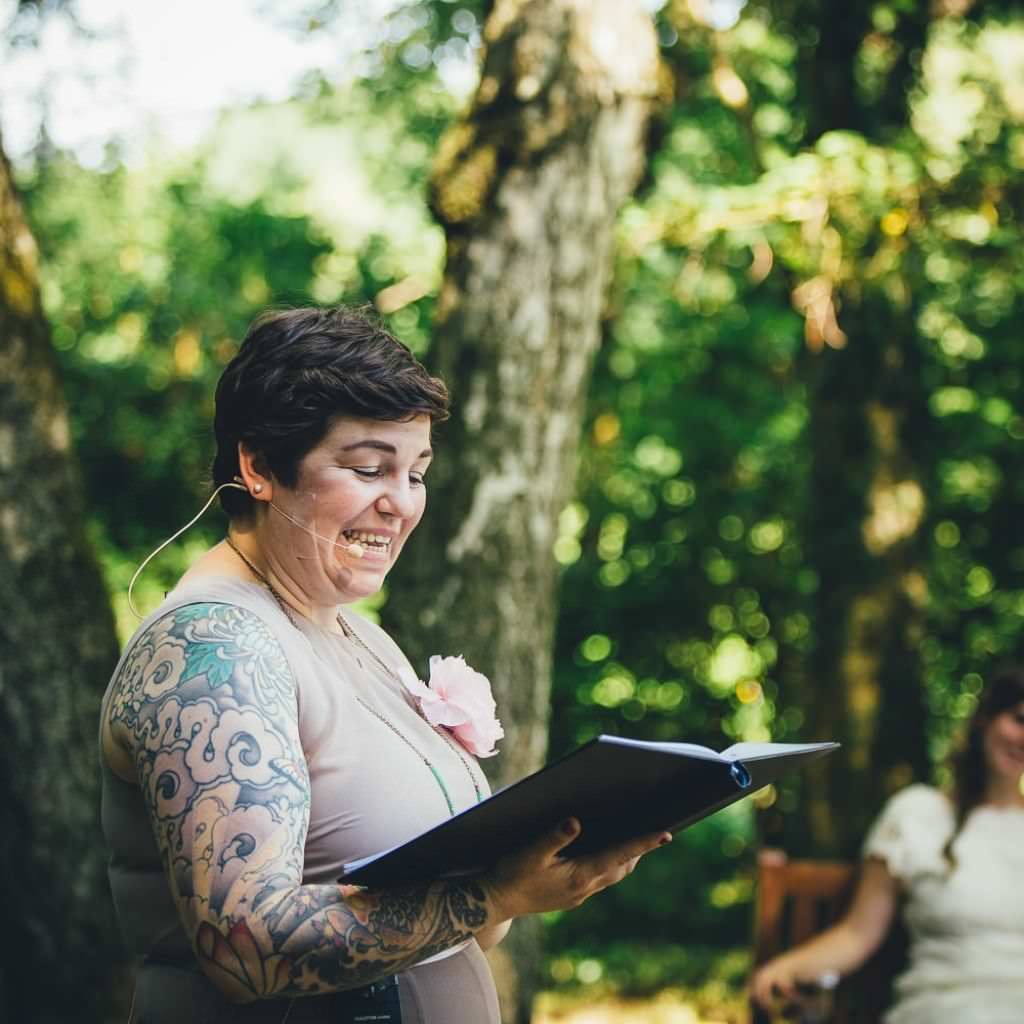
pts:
pixel 436 917
pixel 353 940
pixel 206 703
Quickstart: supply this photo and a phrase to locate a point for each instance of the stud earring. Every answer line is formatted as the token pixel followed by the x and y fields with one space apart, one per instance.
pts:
pixel 257 488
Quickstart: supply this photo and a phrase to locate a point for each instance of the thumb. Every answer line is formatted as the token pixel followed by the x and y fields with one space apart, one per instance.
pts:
pixel 552 843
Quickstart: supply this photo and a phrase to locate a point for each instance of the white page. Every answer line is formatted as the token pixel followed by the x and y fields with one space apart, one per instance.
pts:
pixel 753 751
pixel 691 749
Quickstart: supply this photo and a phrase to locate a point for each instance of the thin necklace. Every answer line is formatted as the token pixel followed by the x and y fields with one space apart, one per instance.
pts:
pixel 350 634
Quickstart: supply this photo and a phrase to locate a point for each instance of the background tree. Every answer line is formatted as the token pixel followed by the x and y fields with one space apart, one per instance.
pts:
pixel 865 515
pixel 57 647
pixel 528 187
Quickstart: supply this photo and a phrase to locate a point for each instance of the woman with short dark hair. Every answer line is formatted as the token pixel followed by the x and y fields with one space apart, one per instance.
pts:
pixel 258 734
pixel 951 864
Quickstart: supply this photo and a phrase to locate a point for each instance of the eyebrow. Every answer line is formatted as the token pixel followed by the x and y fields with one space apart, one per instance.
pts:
pixel 383 446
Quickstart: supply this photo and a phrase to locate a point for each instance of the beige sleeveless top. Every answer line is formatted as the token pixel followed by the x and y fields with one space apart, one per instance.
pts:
pixel 370 790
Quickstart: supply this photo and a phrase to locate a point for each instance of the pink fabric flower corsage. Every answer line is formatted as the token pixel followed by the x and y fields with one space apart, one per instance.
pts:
pixel 459 698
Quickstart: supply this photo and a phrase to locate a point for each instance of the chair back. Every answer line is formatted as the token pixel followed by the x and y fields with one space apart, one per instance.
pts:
pixel 796 899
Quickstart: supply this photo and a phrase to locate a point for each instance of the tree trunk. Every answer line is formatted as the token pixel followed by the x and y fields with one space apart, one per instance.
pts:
pixel 57 648
pixel 527 187
pixel 865 540
pixel 866 511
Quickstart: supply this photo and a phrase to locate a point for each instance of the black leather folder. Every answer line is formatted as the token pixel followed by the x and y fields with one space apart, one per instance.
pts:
pixel 618 788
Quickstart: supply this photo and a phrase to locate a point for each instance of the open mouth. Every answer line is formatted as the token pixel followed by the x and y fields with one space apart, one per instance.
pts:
pixel 370 541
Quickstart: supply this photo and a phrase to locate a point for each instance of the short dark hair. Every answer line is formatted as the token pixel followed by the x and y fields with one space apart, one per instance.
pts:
pixel 295 372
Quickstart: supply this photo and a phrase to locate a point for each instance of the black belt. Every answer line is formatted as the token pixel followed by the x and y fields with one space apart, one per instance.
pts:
pixel 373 1004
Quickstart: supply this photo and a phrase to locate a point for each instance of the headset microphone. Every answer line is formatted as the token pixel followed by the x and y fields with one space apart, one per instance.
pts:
pixel 355 549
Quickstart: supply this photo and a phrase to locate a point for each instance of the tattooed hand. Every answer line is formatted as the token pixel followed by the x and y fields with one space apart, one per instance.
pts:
pixel 205 704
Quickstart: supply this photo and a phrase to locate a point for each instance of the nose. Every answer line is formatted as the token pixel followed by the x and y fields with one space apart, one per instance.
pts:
pixel 398 501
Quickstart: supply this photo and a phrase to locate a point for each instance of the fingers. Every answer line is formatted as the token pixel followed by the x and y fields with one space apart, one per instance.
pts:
pixel 536 878
pixel 534 874
pixel 545 850
pixel 761 989
pixel 784 990
pixel 551 843
pixel 554 842
pixel 636 848
pixel 770 985
pixel 628 852
pixel 601 870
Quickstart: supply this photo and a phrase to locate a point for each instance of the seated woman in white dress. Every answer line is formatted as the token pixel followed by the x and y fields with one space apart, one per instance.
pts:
pixel 953 865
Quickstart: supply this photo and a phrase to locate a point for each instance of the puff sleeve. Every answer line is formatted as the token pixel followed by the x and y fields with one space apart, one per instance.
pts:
pixel 910 833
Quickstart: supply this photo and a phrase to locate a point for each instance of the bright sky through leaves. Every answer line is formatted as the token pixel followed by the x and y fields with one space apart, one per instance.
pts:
pixel 143 68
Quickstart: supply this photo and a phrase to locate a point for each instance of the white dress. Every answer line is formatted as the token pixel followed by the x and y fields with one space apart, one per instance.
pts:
pixel 966 926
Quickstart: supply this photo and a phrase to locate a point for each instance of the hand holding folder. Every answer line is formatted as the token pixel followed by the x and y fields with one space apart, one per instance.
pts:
pixel 617 788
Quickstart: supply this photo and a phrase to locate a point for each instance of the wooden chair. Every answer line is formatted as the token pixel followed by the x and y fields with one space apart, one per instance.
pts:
pixel 796 899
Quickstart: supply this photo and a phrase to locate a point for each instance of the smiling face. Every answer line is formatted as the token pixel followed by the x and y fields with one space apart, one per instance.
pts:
pixel 1004 745
pixel 362 484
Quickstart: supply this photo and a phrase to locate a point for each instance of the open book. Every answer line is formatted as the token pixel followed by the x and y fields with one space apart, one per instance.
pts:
pixel 617 788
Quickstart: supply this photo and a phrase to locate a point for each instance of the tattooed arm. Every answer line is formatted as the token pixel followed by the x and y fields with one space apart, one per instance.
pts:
pixel 205 704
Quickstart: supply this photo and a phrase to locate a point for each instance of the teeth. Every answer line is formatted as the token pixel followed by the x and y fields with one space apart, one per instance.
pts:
pixel 368 538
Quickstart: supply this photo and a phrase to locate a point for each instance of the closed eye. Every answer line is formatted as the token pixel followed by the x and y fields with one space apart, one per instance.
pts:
pixel 374 473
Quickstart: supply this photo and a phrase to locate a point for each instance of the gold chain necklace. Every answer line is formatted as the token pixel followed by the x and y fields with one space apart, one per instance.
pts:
pixel 351 635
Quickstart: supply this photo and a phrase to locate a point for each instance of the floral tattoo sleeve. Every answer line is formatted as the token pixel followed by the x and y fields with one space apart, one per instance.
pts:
pixel 205 704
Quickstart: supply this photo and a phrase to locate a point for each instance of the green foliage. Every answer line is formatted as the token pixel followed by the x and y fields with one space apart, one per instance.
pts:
pixel 691 603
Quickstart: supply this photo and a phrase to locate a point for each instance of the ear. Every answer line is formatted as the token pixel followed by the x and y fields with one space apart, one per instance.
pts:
pixel 254 475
